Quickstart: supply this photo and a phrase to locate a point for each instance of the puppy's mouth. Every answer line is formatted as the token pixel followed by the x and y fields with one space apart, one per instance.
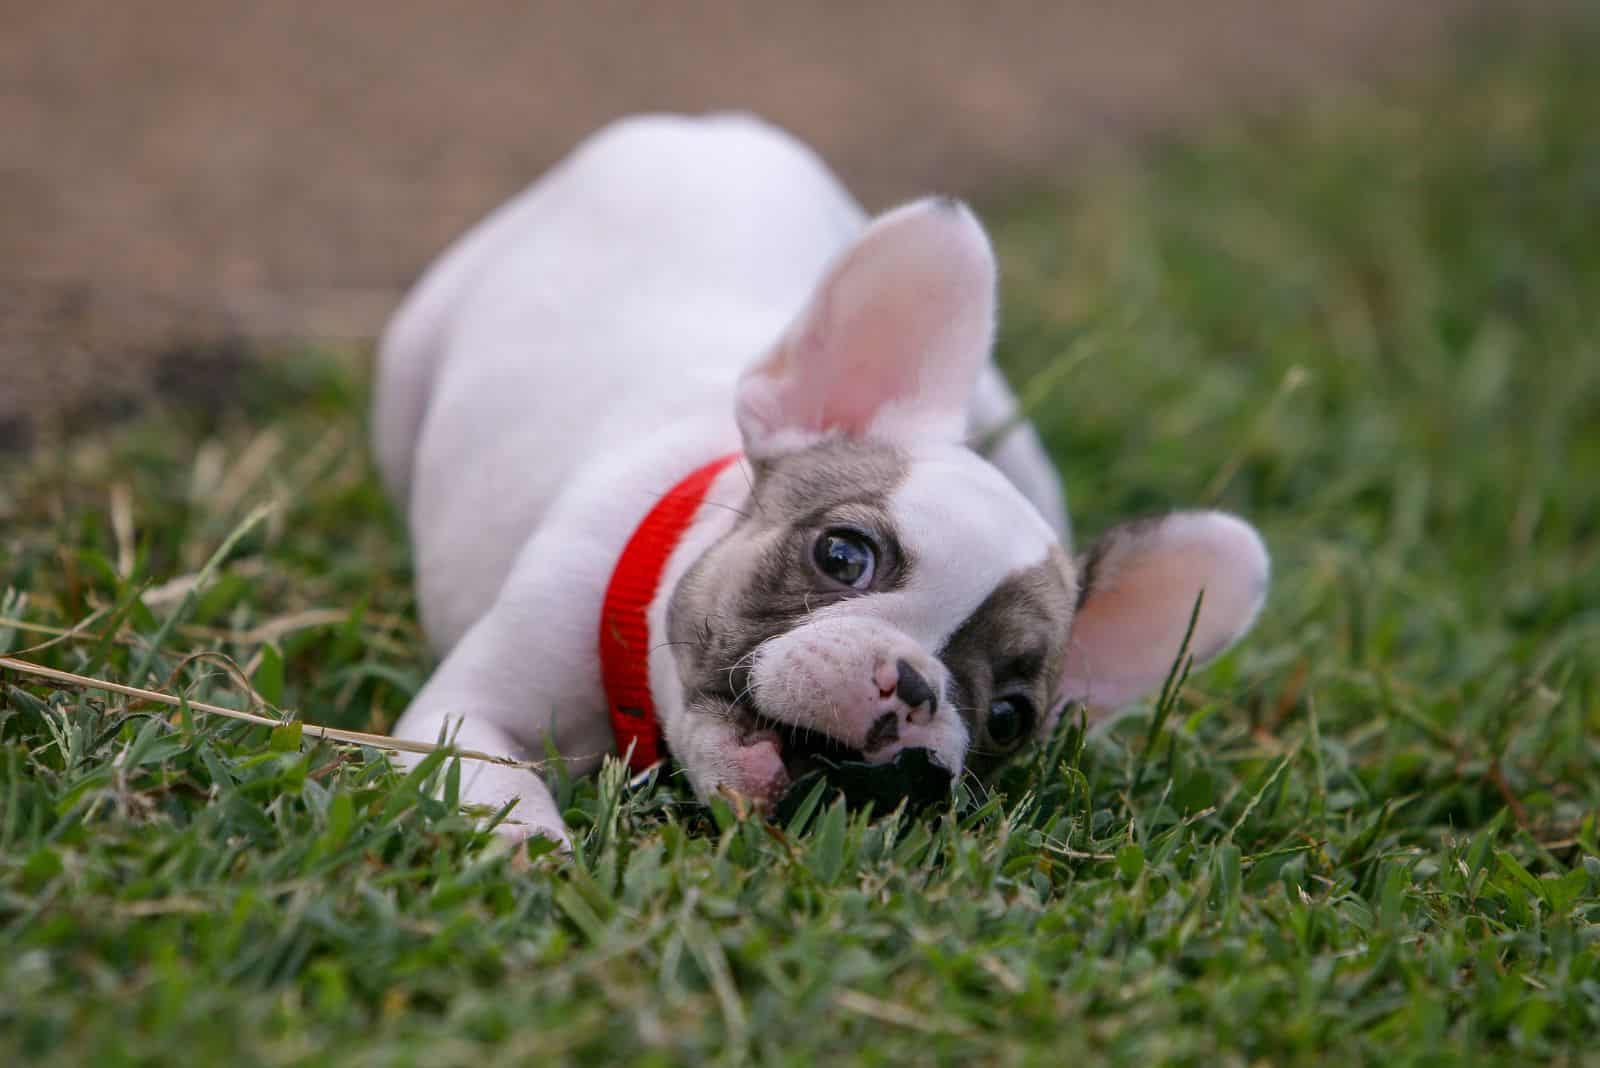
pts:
pixel 802 749
pixel 806 749
pixel 913 777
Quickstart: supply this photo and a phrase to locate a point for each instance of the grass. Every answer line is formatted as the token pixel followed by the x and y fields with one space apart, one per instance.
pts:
pixel 1368 836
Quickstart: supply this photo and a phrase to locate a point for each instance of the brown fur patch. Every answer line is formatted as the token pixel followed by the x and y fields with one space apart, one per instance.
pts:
pixel 1013 645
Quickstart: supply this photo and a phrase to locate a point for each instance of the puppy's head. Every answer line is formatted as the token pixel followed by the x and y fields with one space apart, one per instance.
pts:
pixel 888 589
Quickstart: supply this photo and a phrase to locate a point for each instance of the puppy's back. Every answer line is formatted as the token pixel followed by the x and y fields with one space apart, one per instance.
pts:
pixel 721 202
pixel 621 292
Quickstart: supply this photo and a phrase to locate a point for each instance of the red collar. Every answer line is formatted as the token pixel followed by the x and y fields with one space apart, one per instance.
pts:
pixel 624 629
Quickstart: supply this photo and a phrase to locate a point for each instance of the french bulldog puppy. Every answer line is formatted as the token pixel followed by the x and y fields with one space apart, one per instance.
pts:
pixel 685 366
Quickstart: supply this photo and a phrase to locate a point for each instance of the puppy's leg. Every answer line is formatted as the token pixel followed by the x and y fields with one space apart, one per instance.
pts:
pixel 489 785
pixel 1008 441
pixel 500 690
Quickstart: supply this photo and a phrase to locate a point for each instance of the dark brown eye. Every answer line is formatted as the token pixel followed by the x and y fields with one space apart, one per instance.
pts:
pixel 1010 721
pixel 846 556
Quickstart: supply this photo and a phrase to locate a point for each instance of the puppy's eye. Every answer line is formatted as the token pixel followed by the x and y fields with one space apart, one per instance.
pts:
pixel 1010 721
pixel 846 556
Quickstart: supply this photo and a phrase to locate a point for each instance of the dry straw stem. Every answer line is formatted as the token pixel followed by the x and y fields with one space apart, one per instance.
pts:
pixel 332 734
pixel 269 631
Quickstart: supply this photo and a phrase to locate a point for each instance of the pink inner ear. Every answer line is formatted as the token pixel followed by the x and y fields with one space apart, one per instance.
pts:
pixel 856 373
pixel 1129 629
pixel 891 343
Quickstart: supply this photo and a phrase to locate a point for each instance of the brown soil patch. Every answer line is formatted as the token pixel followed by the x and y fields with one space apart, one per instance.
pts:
pixel 177 172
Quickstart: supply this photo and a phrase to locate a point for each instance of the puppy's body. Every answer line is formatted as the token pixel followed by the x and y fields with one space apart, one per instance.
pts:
pixel 676 290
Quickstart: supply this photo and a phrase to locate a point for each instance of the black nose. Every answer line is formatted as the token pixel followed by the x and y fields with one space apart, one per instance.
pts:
pixel 911 687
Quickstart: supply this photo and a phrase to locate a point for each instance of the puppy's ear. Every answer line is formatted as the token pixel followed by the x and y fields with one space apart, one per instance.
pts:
pixel 1139 584
pixel 889 345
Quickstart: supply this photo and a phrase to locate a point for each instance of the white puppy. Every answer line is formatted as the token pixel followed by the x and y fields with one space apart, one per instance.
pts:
pixel 682 438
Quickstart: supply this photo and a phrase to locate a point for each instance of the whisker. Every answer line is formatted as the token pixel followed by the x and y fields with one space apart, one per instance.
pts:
pixel 749 480
pixel 663 494
pixel 735 509
pixel 743 693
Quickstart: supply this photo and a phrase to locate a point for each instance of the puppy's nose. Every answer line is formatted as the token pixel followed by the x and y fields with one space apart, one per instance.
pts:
pixel 912 688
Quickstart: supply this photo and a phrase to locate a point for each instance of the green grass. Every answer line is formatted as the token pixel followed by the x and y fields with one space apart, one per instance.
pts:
pixel 1368 836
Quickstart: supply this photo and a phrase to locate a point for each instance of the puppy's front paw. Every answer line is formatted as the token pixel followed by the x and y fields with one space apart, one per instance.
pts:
pixel 533 817
pixel 520 859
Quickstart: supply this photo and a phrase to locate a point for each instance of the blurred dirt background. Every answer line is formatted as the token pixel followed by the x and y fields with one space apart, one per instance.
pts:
pixel 185 181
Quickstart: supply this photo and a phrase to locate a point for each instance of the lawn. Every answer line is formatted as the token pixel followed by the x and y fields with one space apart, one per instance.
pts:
pixel 1367 836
